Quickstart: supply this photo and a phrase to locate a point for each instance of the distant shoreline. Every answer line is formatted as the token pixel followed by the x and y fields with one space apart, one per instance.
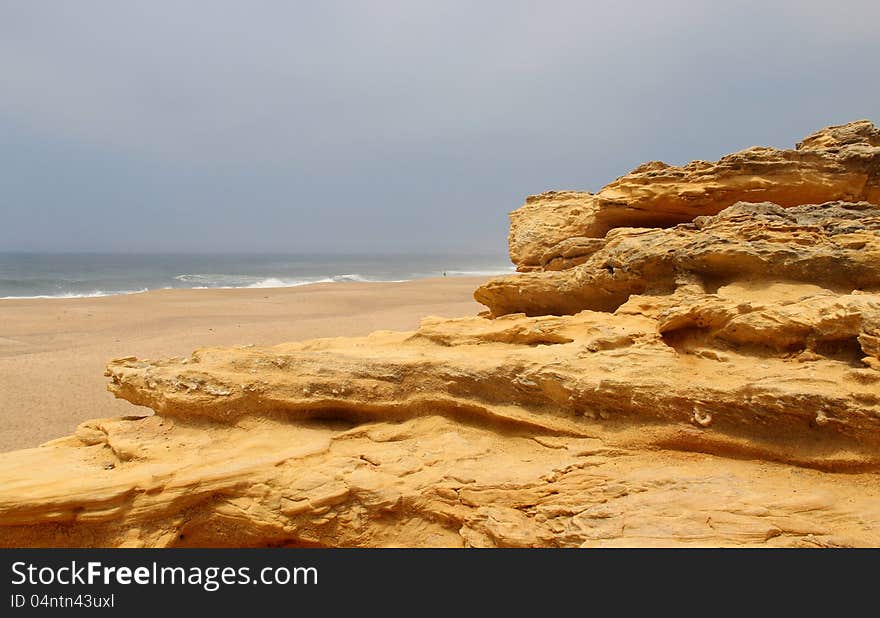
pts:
pixel 113 294
pixel 47 276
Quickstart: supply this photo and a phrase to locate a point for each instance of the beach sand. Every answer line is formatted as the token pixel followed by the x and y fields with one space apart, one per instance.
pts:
pixel 53 351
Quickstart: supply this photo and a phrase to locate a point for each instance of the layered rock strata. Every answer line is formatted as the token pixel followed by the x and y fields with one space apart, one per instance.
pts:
pixel 835 245
pixel 557 230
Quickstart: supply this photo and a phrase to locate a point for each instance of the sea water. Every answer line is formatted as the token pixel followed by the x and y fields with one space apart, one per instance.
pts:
pixel 42 275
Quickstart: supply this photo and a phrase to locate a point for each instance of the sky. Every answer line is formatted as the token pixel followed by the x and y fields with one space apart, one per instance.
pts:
pixel 387 126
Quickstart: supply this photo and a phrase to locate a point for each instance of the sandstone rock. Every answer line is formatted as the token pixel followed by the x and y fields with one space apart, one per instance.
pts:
pixel 713 381
pixel 560 431
pixel 834 244
pixel 428 481
pixel 859 132
pixel 836 163
pixel 558 375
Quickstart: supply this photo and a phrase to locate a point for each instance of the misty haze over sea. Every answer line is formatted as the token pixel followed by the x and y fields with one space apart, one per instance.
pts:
pixel 74 275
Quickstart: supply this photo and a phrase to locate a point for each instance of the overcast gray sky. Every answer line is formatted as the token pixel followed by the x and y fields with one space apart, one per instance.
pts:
pixel 387 125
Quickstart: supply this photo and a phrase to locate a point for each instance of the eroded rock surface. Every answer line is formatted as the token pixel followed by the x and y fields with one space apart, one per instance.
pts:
pixel 836 244
pixel 551 230
pixel 702 369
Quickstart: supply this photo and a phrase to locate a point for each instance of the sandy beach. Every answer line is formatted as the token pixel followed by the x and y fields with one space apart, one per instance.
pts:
pixel 53 351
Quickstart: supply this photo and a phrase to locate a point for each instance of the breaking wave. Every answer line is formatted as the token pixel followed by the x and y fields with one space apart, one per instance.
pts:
pixel 219 281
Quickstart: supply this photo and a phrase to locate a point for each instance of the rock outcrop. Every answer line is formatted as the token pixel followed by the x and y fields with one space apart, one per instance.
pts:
pixel 557 230
pixel 683 366
pixel 836 245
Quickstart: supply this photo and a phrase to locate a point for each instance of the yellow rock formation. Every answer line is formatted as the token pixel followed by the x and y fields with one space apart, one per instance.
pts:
pixel 694 359
pixel 556 230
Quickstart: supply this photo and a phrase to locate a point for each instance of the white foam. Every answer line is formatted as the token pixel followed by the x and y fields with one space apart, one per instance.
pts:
pixel 95 294
pixel 352 277
pixel 229 282
pixel 273 282
pixel 219 281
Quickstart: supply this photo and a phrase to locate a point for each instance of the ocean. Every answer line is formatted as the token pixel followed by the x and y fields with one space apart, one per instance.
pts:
pixel 38 275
